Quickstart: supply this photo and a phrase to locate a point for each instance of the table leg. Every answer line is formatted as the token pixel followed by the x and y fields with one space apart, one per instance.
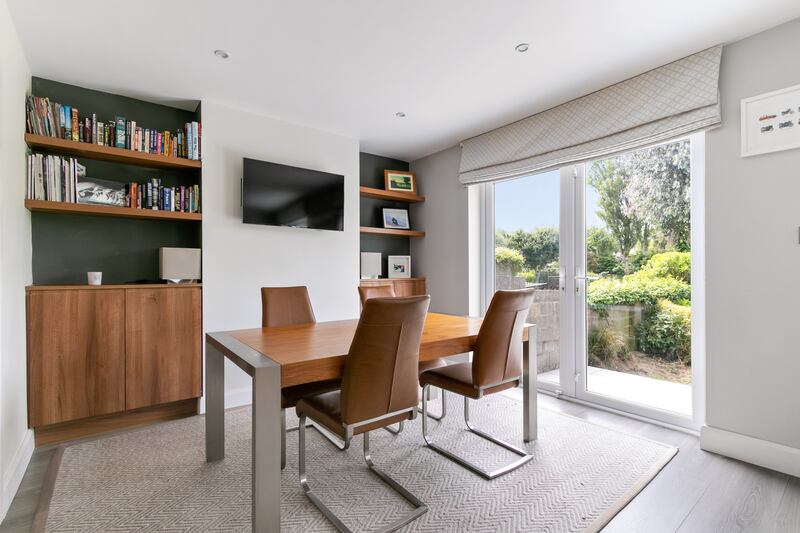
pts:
pixel 215 404
pixel 529 429
pixel 266 449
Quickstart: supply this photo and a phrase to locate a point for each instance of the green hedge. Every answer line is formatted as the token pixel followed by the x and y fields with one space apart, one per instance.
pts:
pixel 666 330
pixel 676 265
pixel 636 289
pixel 508 258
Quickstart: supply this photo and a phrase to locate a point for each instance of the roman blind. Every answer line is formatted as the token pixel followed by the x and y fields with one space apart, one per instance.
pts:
pixel 673 100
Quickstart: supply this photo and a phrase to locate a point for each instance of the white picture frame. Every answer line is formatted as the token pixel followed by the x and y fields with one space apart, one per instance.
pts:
pixel 770 122
pixel 399 266
pixel 395 218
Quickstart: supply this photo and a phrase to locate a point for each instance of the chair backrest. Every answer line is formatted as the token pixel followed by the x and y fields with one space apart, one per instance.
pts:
pixel 285 306
pixel 375 291
pixel 497 356
pixel 381 373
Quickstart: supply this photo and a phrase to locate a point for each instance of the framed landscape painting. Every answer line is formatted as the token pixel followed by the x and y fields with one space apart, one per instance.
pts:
pixel 400 180
pixel 770 122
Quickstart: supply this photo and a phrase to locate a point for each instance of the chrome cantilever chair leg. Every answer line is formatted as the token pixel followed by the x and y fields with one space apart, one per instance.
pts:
pixel 400 425
pixel 444 406
pixel 419 507
pixel 524 456
pixel 285 430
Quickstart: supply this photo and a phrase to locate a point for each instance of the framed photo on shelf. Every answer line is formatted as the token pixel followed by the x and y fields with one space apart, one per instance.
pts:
pixel 770 122
pixel 400 181
pixel 399 266
pixel 395 218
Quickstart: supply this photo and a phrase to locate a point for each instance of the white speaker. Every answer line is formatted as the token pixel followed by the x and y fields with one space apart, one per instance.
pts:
pixel 179 265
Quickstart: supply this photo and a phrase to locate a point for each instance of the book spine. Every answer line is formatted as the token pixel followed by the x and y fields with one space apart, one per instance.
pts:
pixel 100 133
pixel 94 128
pixel 74 124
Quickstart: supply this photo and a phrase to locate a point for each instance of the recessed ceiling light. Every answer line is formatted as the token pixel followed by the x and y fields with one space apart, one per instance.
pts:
pixel 400 114
pixel 222 54
pixel 522 47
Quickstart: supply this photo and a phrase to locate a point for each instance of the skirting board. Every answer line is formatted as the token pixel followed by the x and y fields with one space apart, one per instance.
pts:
pixel 233 398
pixel 751 450
pixel 12 477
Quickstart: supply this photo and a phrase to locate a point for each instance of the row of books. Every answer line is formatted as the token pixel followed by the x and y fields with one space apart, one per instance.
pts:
pixel 53 119
pixel 53 178
pixel 153 195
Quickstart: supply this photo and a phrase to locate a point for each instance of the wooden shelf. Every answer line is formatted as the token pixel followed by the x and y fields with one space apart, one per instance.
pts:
pixel 396 232
pixel 108 211
pixel 109 153
pixel 394 196
pixel 31 288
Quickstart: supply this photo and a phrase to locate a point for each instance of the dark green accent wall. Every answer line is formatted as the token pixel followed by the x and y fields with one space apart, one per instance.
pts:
pixel 371 168
pixel 65 247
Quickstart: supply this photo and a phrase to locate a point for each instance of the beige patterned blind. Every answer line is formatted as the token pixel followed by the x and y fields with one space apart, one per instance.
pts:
pixel 670 101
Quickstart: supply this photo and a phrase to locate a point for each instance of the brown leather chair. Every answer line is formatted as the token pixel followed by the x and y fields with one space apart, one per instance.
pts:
pixel 379 387
pixel 287 306
pixel 387 291
pixel 496 366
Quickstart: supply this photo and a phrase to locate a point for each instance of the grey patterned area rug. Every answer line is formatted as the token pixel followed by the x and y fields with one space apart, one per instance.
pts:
pixel 156 479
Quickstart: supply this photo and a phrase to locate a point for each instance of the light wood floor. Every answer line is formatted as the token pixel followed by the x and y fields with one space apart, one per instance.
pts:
pixel 696 492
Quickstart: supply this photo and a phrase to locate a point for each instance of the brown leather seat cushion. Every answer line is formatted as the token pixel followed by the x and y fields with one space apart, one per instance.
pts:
pixel 430 365
pixel 326 409
pixel 291 395
pixel 458 378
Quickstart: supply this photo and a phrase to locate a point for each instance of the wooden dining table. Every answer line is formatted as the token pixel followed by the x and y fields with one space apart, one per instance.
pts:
pixel 277 357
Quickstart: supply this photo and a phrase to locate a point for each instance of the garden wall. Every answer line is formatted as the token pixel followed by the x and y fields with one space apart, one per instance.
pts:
pixel 546 314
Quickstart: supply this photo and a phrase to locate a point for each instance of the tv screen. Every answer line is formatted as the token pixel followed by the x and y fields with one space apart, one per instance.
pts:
pixel 280 195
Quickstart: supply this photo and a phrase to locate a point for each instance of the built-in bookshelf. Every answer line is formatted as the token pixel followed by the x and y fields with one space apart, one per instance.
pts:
pixel 71 238
pixel 391 196
pixel 392 232
pixel 108 153
pixel 44 206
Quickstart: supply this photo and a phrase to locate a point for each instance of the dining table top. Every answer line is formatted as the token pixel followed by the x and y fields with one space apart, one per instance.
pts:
pixel 316 351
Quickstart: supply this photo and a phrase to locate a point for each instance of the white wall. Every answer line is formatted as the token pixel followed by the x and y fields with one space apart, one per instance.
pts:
pixel 239 259
pixel 442 257
pixel 753 259
pixel 16 441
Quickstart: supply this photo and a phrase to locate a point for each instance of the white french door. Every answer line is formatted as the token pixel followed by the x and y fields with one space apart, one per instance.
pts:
pixel 561 309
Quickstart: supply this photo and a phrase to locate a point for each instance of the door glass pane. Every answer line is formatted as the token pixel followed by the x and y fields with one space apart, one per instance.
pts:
pixel 527 250
pixel 638 259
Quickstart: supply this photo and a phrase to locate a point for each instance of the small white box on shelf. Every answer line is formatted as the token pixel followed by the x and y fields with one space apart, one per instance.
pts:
pixel 370 265
pixel 179 265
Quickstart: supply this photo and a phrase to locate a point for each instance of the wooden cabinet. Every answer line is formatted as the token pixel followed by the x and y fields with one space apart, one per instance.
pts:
pixel 76 354
pixel 163 338
pixel 99 350
pixel 402 287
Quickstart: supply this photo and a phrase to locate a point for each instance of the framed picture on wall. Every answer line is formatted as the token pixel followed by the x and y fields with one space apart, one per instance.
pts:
pixel 400 180
pixel 395 218
pixel 399 266
pixel 770 122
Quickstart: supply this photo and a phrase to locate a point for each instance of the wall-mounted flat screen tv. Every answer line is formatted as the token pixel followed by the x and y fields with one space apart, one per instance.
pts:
pixel 280 195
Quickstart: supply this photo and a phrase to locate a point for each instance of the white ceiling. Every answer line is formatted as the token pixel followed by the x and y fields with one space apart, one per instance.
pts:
pixel 348 66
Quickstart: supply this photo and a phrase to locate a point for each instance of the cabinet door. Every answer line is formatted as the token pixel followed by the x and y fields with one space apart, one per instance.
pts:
pixel 76 354
pixel 163 359
pixel 409 287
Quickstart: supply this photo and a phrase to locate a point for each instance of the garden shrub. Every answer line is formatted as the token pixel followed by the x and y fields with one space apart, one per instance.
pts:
pixel 676 265
pixel 528 275
pixel 509 260
pixel 604 344
pixel 666 331
pixel 636 289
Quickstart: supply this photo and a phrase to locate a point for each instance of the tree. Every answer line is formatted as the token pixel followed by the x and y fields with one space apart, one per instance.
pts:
pixel 657 190
pixel 538 247
pixel 601 248
pixel 609 177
